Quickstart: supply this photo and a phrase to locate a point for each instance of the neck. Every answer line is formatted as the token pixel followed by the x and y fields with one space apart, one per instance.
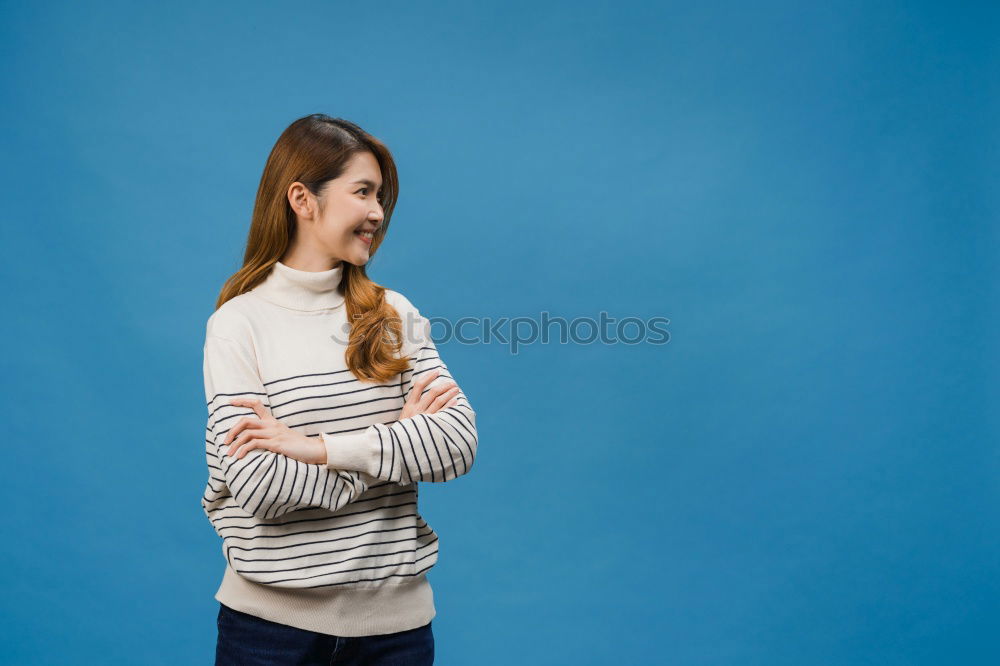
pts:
pixel 303 290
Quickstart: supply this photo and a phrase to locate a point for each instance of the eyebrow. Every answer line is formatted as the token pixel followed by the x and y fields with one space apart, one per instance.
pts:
pixel 365 181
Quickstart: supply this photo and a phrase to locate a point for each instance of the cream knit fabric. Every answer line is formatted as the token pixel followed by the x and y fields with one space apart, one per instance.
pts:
pixel 339 548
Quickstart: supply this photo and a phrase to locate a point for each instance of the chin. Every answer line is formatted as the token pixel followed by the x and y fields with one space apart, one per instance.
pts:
pixel 359 259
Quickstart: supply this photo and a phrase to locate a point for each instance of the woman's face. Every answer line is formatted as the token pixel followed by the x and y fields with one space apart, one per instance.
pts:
pixel 348 206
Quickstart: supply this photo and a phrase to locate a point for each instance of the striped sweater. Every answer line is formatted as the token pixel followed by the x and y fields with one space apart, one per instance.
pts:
pixel 338 548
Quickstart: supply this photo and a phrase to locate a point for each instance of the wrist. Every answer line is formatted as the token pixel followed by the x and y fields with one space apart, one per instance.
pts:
pixel 317 441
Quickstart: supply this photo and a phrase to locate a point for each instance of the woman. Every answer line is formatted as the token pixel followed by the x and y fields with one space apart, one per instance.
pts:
pixel 327 403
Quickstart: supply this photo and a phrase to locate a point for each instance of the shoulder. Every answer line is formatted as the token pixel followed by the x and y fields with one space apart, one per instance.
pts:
pixel 416 327
pixel 403 305
pixel 231 321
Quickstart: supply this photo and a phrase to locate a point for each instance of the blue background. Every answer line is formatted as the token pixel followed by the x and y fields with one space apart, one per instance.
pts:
pixel 806 473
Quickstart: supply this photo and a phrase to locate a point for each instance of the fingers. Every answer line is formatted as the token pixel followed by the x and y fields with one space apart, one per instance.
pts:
pixel 419 384
pixel 433 392
pixel 256 405
pixel 244 430
pixel 248 447
pixel 424 400
pixel 263 417
pixel 241 425
pixel 446 399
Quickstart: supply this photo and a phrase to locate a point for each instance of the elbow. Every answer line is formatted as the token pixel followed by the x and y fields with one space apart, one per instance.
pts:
pixel 252 504
pixel 458 458
pixel 473 441
pixel 253 508
pixel 475 449
pixel 251 491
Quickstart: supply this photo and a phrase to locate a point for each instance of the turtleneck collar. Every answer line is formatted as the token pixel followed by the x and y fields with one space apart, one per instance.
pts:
pixel 301 290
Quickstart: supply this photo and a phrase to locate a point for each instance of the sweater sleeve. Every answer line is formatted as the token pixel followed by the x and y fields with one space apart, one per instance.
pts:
pixel 425 447
pixel 264 483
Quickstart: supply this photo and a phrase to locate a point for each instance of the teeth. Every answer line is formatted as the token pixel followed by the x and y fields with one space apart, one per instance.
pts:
pixel 366 234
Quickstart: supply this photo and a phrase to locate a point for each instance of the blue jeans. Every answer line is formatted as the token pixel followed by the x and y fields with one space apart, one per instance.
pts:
pixel 245 640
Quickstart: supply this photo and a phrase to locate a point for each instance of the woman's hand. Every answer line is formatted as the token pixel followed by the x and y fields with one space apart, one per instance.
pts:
pixel 267 432
pixel 437 398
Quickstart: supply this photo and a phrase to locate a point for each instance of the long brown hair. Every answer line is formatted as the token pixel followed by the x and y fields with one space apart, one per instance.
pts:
pixel 313 150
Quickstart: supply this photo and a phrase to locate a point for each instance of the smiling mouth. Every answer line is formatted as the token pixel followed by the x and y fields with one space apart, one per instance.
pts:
pixel 365 236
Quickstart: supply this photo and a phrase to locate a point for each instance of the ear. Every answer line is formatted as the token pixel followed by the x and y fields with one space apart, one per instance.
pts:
pixel 302 201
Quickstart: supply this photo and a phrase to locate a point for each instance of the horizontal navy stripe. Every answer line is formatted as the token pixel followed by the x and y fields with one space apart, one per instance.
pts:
pixel 289 546
pixel 366 580
pixel 380 511
pixel 273 581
